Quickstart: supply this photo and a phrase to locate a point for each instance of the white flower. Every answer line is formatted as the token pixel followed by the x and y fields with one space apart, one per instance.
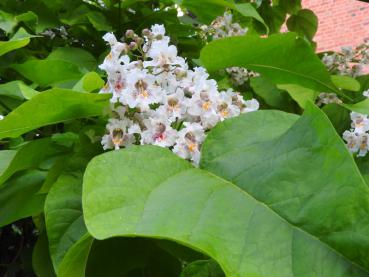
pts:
pixel 363 144
pixel 163 56
pixel 110 38
pixel 157 94
pixel 189 142
pixel 1 117
pixel 158 30
pixel 174 106
pixel 360 122
pixel 366 93
pixel 141 90
pixel 117 134
pixel 158 132
pixel 352 141
pixel 225 107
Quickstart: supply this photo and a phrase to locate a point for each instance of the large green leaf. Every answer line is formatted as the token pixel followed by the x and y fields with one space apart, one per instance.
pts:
pixel 30 156
pixel 53 106
pixel 63 216
pixel 19 198
pixel 285 59
pixel 302 171
pixel 148 191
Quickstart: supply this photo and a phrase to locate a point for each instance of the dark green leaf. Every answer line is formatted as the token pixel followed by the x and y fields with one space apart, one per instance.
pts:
pixel 19 198
pixel 304 22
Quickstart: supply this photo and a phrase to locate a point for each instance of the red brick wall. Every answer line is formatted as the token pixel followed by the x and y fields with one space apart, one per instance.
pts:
pixel 341 22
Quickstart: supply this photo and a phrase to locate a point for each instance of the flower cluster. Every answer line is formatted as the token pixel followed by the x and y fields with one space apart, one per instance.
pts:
pixel 358 137
pixel 222 27
pixel 328 98
pixel 349 61
pixel 157 99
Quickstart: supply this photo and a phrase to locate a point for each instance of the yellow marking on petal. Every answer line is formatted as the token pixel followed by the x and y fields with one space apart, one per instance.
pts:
pixel 206 105
pixel 192 147
pixel 224 113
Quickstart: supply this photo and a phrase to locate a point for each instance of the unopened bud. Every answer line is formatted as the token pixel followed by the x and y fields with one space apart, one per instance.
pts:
pixel 130 33
pixel 146 32
pixel 139 41
pixel 132 45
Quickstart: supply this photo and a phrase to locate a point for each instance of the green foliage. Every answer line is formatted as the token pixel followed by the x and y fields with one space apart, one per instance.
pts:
pixel 272 58
pixel 57 105
pixel 276 193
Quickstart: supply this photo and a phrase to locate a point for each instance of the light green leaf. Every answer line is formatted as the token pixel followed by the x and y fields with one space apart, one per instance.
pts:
pixel 282 58
pixel 135 196
pixel 302 95
pixel 303 172
pixel 19 40
pixel 19 198
pixel 345 82
pixel 89 82
pixel 248 10
pixel 360 107
pixel 304 22
pixel 30 156
pixel 48 72
pixel 80 57
pixel 63 216
pixel 54 106
pixel 18 90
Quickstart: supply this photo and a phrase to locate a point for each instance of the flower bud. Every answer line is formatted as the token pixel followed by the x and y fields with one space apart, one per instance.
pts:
pixel 139 41
pixel 132 45
pixel 130 33
pixel 146 32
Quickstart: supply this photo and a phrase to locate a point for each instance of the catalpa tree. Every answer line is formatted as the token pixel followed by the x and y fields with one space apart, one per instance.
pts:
pixel 180 138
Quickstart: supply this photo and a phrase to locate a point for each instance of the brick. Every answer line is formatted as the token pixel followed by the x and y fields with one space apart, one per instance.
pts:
pixel 341 22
